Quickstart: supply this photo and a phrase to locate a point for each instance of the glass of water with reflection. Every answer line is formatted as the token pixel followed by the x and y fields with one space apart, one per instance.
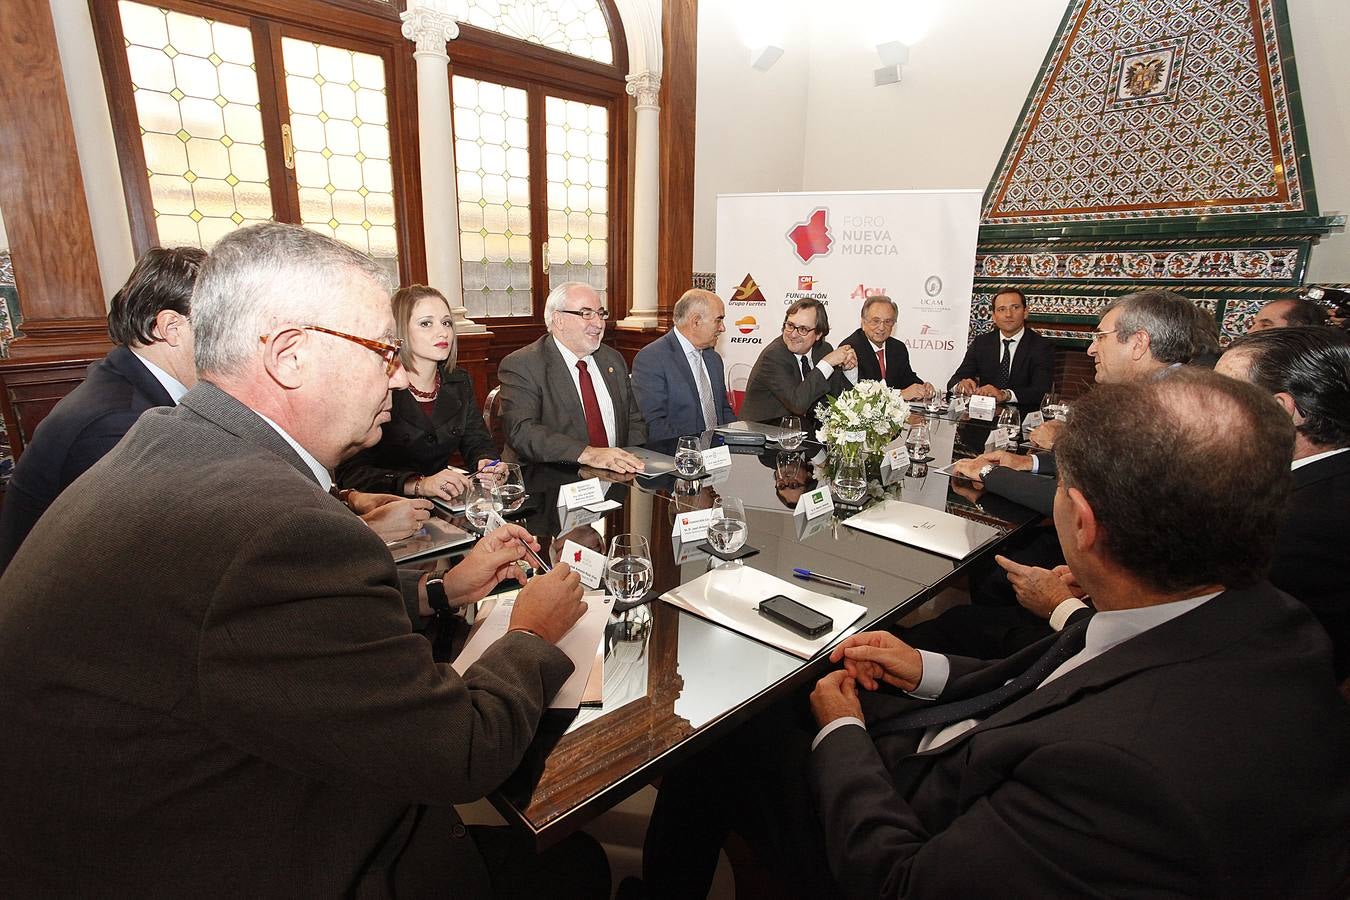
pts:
pixel 688 457
pixel 628 569
pixel 792 432
pixel 850 480
pixel 1053 408
pixel 480 499
pixel 918 442
pixel 728 529
pixel 508 483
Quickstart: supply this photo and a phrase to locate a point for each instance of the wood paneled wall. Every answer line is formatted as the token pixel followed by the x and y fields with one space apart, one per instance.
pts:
pixel 679 82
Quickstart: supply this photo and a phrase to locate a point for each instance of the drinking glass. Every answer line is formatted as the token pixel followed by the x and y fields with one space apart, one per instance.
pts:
pixel 728 530
pixel 628 569
pixel 1053 407
pixel 850 480
pixel 792 433
pixel 1011 422
pixel 508 484
pixel 918 442
pixel 480 499
pixel 688 457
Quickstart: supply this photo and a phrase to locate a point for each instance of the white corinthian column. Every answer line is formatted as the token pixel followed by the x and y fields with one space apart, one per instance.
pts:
pixel 430 29
pixel 645 88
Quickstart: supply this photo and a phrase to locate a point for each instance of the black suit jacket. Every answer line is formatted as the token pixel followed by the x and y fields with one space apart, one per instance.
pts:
pixel 1312 561
pixel 1032 371
pixel 413 445
pixel 1204 757
pixel 899 373
pixel 80 429
pixel 776 389
pixel 217 691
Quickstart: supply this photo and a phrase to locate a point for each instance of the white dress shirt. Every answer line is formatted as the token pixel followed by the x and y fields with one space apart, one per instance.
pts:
pixel 1300 463
pixel 173 386
pixel 601 392
pixel 320 473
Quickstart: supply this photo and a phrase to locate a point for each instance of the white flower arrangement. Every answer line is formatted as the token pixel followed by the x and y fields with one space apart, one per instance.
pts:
pixel 866 418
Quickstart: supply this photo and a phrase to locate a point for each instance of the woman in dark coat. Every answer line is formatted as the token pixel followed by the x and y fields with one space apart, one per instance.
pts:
pixel 437 416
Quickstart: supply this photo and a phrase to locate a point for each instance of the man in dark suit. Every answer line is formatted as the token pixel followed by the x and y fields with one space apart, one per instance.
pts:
pixel 1288 313
pixel 678 378
pixel 798 369
pixel 566 397
pixel 1112 759
pixel 151 366
pixel 880 356
pixel 235 701
pixel 1012 363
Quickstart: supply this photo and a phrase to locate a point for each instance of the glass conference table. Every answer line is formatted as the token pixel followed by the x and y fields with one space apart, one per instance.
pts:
pixel 674 682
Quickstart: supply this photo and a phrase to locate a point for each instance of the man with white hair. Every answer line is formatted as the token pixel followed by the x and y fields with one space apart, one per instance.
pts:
pixel 566 397
pixel 679 378
pixel 218 689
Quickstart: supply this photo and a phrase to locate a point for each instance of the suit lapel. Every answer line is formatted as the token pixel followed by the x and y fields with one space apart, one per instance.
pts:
pixel 130 367
pixel 681 364
pixel 557 373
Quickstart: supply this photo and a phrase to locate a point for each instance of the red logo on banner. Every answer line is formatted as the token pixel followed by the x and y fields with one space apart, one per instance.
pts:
pixel 812 237
pixel 747 324
pixel 805 283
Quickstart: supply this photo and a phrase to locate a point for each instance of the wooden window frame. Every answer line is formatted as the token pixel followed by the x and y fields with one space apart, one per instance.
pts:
pixel 366 26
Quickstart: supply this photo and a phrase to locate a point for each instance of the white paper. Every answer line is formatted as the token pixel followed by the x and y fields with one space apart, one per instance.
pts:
pixel 585 562
pixel 814 503
pixel 579 643
pixel 494 521
pixel 716 458
pixel 982 407
pixel 692 526
pixel 730 597
pixel 581 493
pixel 1000 438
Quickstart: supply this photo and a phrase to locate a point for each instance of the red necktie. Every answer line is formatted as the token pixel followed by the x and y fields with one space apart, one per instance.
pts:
pixel 595 422
pixel 881 361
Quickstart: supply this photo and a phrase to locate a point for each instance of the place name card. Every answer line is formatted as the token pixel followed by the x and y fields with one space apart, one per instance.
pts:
pixel 585 562
pixel 1032 420
pixel 895 455
pixel 998 440
pixel 581 493
pixel 493 522
pixel 982 407
pixel 692 526
pixel 815 502
pixel 716 458
pixel 850 437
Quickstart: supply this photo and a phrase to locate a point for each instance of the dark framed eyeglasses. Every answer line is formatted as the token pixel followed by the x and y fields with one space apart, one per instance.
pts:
pixel 587 314
pixel 801 330
pixel 387 352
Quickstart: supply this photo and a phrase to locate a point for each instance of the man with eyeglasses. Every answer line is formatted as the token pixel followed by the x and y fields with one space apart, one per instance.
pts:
pixel 882 357
pixel 214 680
pixel 566 398
pixel 798 369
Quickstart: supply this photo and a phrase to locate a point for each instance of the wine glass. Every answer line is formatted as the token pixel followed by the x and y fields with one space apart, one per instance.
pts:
pixel 919 441
pixel 1053 408
pixel 850 480
pixel 1011 422
pixel 508 484
pixel 480 499
pixel 628 569
pixel 792 435
pixel 688 457
pixel 728 529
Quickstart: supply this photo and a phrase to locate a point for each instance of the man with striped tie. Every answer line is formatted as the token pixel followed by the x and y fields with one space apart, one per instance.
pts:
pixel 1012 363
pixel 679 378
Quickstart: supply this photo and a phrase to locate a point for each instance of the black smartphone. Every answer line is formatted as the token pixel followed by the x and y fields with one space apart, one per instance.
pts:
pixel 795 617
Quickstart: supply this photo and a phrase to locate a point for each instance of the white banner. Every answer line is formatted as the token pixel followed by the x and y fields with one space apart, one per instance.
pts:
pixel 916 247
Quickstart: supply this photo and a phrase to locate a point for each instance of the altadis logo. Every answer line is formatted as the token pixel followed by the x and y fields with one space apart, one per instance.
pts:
pixel 811 238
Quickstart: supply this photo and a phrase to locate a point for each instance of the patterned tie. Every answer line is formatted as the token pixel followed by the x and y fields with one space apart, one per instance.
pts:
pixel 595 422
pixel 806 367
pixel 705 397
pixel 1071 640
pixel 881 361
pixel 1005 365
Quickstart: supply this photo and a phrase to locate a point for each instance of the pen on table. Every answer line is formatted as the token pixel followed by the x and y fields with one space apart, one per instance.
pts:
pixel 808 575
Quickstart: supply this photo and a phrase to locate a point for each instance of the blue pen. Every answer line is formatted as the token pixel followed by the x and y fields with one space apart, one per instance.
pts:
pixel 808 575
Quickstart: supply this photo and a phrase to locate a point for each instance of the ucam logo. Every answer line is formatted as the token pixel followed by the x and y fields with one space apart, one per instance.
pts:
pixel 811 238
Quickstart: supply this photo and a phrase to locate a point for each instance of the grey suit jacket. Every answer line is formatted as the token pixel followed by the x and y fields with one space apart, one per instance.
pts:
pixel 212 686
pixel 541 409
pixel 776 389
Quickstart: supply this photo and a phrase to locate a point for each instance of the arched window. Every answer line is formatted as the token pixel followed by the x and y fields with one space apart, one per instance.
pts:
pixel 541 128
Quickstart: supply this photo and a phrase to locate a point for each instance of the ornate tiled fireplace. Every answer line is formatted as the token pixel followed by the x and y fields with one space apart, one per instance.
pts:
pixel 1162 144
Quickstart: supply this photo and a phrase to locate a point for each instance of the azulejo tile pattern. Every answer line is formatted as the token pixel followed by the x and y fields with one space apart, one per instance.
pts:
pixel 1155 109
pixel 1268 264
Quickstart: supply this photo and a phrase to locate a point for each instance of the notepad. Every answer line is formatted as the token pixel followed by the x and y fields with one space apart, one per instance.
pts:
pixel 924 527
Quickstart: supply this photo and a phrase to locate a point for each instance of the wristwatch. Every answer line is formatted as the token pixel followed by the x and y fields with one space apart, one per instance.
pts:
pixel 985 470
pixel 436 595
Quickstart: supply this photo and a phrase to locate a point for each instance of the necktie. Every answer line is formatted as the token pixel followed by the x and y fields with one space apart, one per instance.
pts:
pixel 806 367
pixel 1071 640
pixel 705 397
pixel 1005 365
pixel 595 422
pixel 881 361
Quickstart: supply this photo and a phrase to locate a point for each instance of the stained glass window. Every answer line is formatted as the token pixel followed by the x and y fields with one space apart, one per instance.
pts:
pixel 492 156
pixel 340 131
pixel 577 27
pixel 196 94
pixel 577 139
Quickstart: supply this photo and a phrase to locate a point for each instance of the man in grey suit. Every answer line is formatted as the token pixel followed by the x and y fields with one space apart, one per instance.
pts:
pixel 566 397
pixel 679 378
pixel 235 700
pixel 798 369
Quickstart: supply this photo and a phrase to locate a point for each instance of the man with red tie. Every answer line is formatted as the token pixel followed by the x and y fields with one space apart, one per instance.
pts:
pixel 566 397
pixel 882 357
